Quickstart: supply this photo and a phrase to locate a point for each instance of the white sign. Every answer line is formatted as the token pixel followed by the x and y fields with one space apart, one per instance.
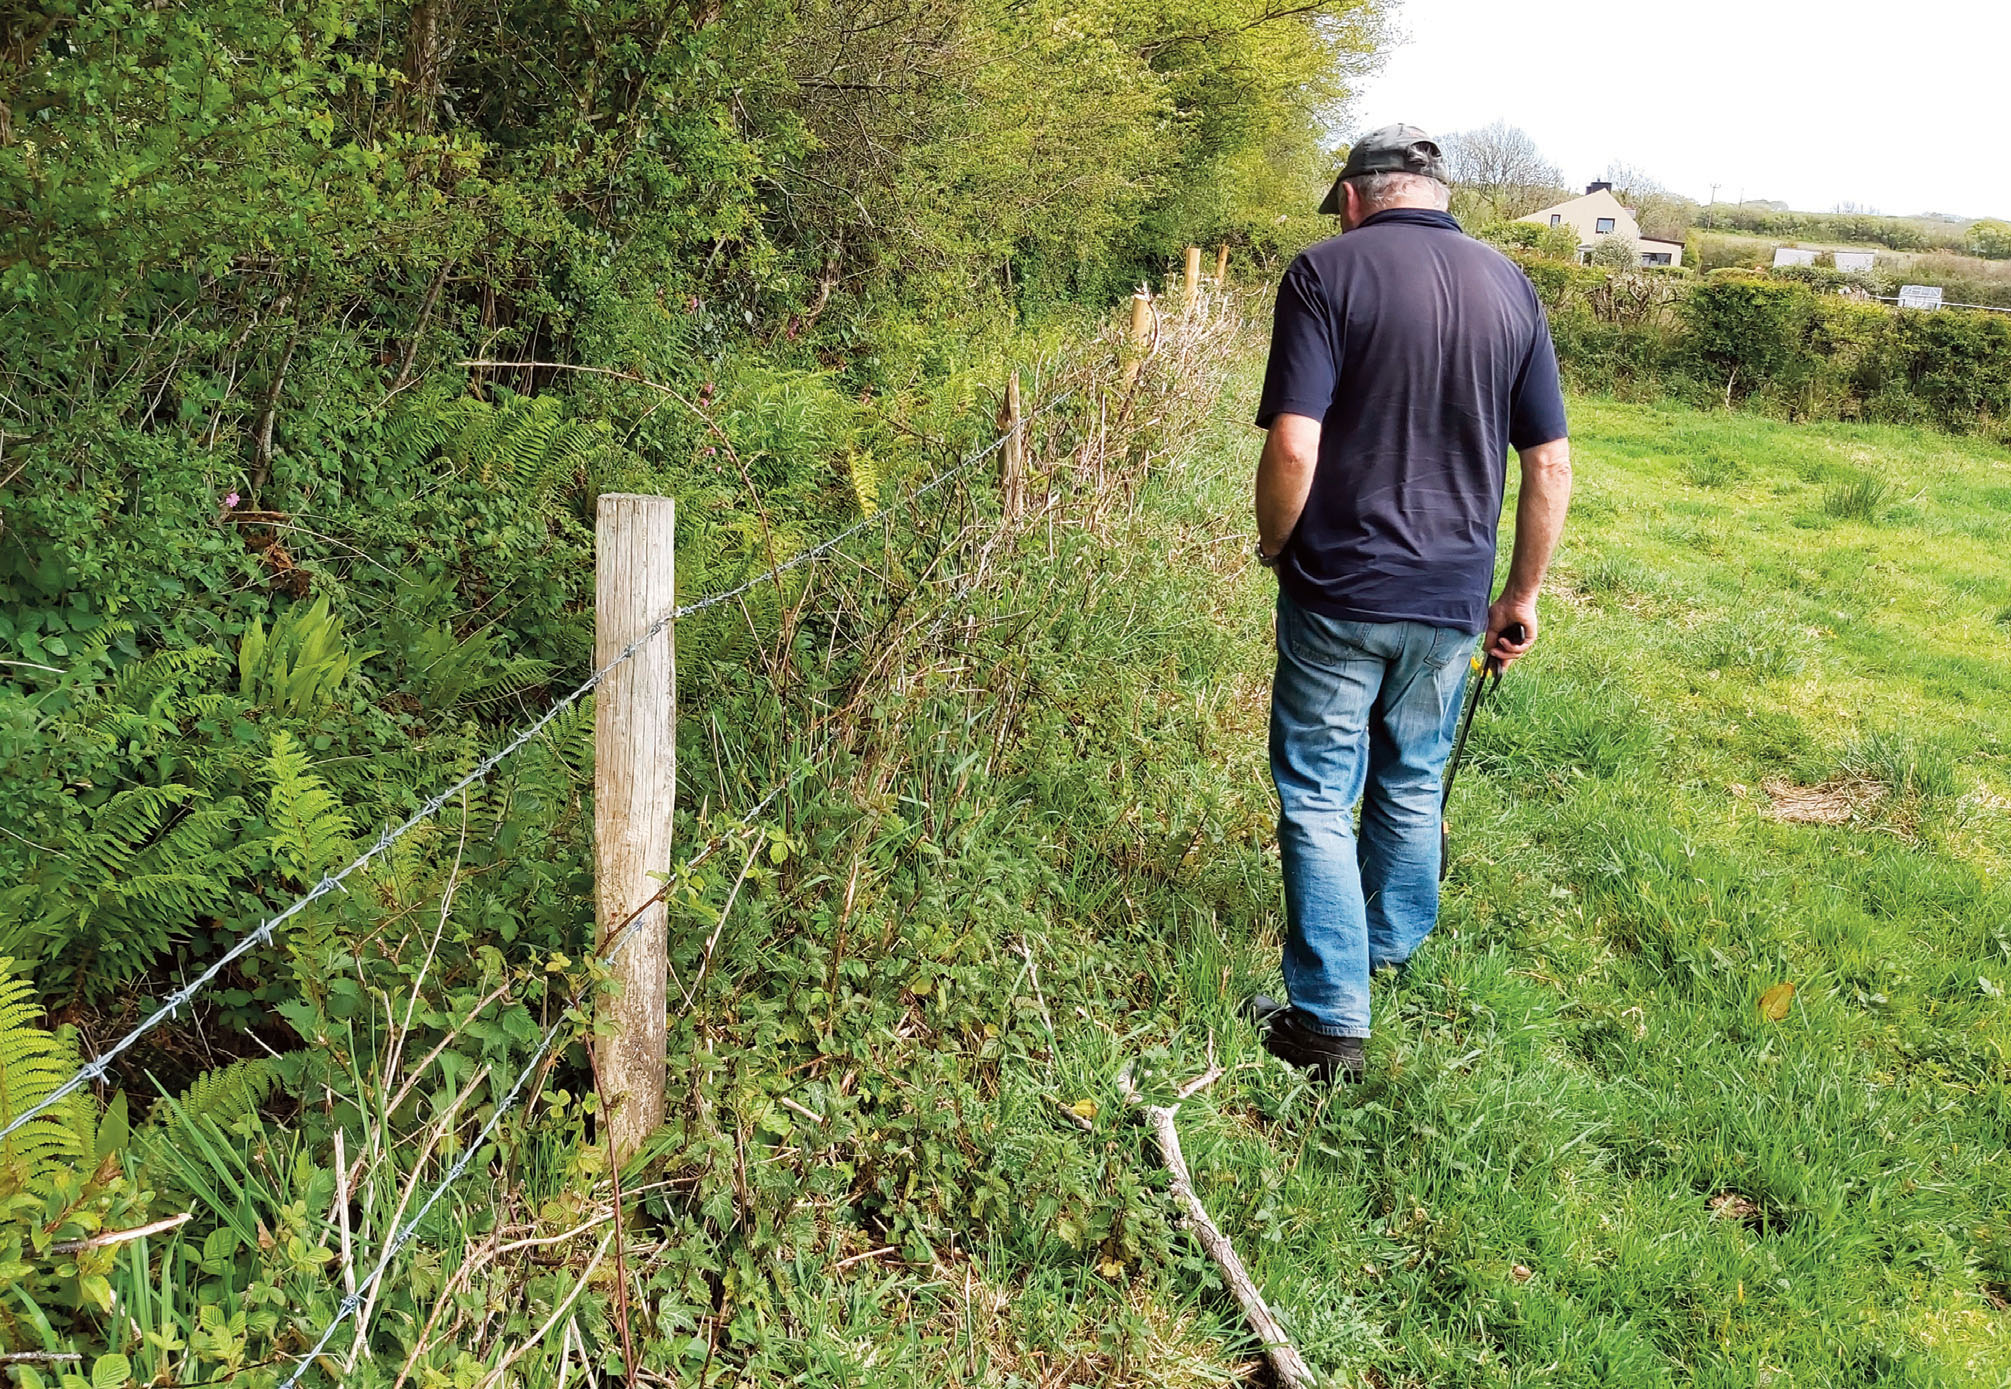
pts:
pixel 1920 296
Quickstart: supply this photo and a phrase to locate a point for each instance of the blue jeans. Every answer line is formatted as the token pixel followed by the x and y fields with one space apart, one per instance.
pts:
pixel 1359 710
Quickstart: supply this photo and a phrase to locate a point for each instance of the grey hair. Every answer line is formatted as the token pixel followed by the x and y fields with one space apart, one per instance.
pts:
pixel 1385 189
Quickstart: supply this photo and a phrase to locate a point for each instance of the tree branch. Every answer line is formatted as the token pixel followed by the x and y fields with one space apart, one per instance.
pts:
pixel 1293 1371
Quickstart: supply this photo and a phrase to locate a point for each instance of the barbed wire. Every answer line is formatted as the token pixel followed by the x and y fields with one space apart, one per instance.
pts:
pixel 403 1235
pixel 825 547
pixel 97 1069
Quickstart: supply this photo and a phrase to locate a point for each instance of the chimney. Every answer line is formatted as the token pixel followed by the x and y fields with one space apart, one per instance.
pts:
pixel 1598 186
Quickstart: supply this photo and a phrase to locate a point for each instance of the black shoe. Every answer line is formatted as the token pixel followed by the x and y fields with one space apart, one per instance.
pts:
pixel 1291 1040
pixel 1261 1008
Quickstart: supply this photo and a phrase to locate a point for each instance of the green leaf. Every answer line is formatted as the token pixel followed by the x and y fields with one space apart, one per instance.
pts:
pixel 111 1371
pixel 114 1130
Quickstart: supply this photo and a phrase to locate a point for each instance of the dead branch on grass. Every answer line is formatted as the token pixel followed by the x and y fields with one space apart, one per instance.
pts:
pixel 1293 1371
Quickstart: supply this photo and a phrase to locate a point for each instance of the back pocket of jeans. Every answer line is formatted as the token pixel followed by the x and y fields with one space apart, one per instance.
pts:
pixel 1313 637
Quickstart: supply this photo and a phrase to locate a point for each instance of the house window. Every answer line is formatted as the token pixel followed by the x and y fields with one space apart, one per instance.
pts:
pixel 1603 225
pixel 1556 219
pixel 1654 257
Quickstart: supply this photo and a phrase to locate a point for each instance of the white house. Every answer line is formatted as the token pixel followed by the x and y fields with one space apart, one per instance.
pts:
pixel 1599 215
pixel 1806 255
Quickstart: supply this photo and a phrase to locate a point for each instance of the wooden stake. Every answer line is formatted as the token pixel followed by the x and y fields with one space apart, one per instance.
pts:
pixel 635 779
pixel 1222 266
pixel 1141 332
pixel 1012 458
pixel 1193 280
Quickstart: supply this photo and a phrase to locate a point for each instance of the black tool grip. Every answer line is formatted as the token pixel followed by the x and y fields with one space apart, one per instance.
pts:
pixel 1514 632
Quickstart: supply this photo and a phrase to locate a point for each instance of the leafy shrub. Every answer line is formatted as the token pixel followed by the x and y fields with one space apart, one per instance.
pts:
pixel 1550 243
pixel 1616 253
pixel 1828 279
pixel 1559 283
pixel 1749 334
pixel 1988 238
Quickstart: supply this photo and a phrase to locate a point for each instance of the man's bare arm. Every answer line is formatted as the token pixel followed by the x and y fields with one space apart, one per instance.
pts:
pixel 1539 521
pixel 1285 478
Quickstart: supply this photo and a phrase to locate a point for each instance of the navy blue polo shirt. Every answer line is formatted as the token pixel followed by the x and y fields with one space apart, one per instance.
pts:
pixel 1425 355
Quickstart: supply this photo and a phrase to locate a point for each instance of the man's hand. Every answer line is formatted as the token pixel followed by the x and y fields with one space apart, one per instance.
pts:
pixel 1505 613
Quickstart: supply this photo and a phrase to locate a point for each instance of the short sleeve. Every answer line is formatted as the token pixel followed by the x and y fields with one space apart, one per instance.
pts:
pixel 1536 416
pixel 1300 378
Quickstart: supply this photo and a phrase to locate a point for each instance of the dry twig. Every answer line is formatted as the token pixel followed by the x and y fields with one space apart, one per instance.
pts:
pixel 1293 1372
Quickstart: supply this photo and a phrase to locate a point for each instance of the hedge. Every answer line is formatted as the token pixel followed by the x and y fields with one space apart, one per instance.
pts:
pixel 1779 345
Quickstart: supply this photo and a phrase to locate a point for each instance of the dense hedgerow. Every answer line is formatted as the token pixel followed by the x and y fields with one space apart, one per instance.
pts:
pixel 1778 343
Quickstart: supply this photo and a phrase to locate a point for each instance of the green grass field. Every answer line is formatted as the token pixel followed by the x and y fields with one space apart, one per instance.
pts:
pixel 1765 739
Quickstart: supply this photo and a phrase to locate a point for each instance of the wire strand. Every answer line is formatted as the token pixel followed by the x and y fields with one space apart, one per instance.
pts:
pixel 403 1236
pixel 97 1069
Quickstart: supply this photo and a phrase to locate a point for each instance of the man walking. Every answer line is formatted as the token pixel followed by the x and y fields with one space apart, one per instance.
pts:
pixel 1406 360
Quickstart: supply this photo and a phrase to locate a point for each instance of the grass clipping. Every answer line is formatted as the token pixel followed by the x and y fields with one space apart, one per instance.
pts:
pixel 1841 801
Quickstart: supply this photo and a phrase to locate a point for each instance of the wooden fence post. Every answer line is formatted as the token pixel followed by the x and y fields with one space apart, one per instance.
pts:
pixel 1141 332
pixel 1012 463
pixel 1222 267
pixel 635 780
pixel 1193 280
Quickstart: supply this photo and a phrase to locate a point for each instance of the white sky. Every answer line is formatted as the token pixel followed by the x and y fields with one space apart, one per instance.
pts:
pixel 1897 107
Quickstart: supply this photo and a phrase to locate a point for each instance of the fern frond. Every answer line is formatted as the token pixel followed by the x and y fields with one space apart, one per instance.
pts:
pixel 864 472
pixel 177 894
pixel 32 1063
pixel 310 830
pixel 123 823
pixel 138 685
pixel 233 1092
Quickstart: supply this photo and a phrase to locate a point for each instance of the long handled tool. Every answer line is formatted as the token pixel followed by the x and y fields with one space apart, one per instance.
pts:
pixel 1484 681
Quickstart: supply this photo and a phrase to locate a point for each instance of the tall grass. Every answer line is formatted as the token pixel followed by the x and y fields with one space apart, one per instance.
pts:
pixel 1860 498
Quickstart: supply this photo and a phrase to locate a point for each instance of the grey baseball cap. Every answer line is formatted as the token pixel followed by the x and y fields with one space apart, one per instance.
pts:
pixel 1395 149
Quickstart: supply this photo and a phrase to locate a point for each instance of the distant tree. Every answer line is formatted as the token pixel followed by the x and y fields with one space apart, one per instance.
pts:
pixel 1499 167
pixel 1617 253
pixel 1663 215
pixel 1989 238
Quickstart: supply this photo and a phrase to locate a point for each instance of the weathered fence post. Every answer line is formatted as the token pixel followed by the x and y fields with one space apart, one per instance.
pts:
pixel 635 779
pixel 1141 332
pixel 1193 280
pixel 1012 459
pixel 1222 267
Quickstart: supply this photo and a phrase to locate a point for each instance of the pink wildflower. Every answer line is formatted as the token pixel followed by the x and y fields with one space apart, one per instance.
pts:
pixel 231 500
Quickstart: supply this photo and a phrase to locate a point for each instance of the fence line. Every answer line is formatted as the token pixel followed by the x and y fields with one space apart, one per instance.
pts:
pixel 97 1069
pixel 1946 304
pixel 403 1235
